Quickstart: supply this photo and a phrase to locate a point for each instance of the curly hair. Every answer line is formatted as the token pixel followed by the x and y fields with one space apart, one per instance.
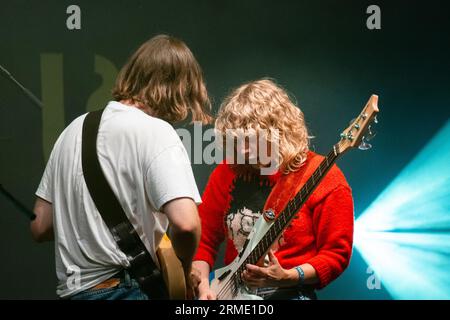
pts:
pixel 263 104
pixel 164 76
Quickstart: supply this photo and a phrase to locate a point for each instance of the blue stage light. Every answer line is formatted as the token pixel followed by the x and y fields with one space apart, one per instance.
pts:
pixel 404 235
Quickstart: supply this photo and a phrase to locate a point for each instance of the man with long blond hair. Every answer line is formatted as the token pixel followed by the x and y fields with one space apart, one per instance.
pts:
pixel 316 248
pixel 146 166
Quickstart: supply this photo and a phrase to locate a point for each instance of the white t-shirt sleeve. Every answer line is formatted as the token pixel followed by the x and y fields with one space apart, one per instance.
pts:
pixel 170 176
pixel 45 189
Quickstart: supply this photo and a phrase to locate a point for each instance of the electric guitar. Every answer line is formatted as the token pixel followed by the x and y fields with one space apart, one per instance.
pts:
pixel 171 270
pixel 227 282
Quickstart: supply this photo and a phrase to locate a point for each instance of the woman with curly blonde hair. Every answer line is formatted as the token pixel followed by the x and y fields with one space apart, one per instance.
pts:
pixel 316 248
pixel 263 107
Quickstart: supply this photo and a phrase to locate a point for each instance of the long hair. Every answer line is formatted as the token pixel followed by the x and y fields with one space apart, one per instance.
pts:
pixel 264 105
pixel 164 76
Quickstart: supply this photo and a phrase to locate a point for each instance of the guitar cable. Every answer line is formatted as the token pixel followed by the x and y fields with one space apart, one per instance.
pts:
pixel 38 104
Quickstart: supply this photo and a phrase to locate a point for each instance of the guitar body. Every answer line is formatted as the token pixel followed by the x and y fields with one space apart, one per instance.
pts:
pixel 171 270
pixel 222 281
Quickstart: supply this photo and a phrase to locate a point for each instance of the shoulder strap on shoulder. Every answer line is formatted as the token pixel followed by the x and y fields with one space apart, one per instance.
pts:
pixel 101 192
pixel 142 266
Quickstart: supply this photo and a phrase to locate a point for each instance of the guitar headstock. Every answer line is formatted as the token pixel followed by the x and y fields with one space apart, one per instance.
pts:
pixel 354 135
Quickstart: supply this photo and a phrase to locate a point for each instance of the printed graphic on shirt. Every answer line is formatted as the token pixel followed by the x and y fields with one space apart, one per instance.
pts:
pixel 240 224
pixel 247 201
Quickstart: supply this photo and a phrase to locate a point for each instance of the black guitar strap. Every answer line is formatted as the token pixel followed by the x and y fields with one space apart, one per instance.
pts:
pixel 142 267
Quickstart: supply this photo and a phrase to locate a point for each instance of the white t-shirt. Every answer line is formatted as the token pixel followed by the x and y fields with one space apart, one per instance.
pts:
pixel 146 166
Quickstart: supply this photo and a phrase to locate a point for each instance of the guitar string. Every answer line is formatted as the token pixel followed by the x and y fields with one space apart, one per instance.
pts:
pixel 225 289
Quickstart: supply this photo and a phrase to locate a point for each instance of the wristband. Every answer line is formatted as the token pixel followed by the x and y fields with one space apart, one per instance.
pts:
pixel 301 274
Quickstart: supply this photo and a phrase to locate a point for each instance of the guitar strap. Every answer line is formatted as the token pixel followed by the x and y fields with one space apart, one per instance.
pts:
pixel 285 189
pixel 287 186
pixel 142 267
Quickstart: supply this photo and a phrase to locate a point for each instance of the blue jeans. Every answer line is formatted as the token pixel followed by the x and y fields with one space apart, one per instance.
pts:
pixel 127 289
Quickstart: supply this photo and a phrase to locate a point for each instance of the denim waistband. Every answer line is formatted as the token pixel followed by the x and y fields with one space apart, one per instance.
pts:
pixel 124 277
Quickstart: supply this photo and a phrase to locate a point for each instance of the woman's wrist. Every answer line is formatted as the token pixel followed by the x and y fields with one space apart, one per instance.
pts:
pixel 300 274
pixel 292 276
pixel 295 276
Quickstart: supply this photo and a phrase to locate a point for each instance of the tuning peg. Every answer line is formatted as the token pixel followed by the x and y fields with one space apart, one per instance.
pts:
pixel 375 120
pixel 371 133
pixel 364 145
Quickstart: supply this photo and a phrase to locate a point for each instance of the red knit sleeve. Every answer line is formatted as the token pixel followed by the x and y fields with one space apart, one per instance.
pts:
pixel 215 201
pixel 333 227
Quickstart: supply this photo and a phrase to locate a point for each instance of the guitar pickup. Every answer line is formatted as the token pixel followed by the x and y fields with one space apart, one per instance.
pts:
pixel 244 247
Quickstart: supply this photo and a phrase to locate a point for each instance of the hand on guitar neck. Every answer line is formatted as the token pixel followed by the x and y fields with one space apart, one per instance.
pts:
pixel 274 275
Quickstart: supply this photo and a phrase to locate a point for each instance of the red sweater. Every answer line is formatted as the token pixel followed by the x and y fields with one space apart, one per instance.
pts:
pixel 321 236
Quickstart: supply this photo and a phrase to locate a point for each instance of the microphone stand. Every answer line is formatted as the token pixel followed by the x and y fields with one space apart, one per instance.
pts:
pixel 30 214
pixel 38 104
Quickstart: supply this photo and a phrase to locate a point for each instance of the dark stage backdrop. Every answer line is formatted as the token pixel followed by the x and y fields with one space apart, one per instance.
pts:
pixel 321 51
